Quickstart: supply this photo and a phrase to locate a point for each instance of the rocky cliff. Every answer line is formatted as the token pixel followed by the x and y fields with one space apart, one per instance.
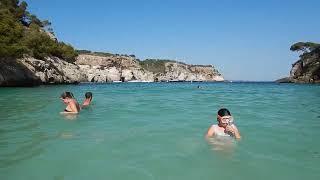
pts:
pixel 54 70
pixel 115 68
pixel 112 68
pixel 175 71
pixel 307 68
pixel 29 71
pixel 15 73
pixel 24 35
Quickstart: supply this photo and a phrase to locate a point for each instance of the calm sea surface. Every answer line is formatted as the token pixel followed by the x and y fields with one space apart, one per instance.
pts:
pixel 155 131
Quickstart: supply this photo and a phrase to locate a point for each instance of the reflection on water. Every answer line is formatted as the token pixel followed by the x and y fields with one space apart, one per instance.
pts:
pixel 66 135
pixel 58 178
pixel 27 148
pixel 70 116
pixel 222 143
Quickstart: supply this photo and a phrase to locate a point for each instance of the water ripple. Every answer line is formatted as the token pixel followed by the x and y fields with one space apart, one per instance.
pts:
pixel 156 131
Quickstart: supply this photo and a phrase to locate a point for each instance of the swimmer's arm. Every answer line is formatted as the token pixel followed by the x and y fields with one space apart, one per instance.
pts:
pixel 210 132
pixel 236 132
pixel 83 103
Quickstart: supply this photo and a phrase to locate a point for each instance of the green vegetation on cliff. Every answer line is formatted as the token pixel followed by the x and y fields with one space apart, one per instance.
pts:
pixel 105 54
pixel 305 47
pixel 307 68
pixel 94 53
pixel 22 33
pixel 155 65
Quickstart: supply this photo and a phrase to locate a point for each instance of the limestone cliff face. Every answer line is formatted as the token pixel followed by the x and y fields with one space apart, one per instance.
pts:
pixel 14 73
pixel 29 71
pixel 112 68
pixel 54 70
pixel 307 68
pixel 116 68
pixel 175 71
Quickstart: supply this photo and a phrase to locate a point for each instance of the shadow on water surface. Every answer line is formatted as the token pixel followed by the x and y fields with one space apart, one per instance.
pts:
pixel 29 149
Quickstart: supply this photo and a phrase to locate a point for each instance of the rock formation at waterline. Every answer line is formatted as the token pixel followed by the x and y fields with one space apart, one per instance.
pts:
pixel 127 68
pixel 29 71
pixel 175 71
pixel 112 68
pixel 54 70
pixel 30 55
pixel 307 68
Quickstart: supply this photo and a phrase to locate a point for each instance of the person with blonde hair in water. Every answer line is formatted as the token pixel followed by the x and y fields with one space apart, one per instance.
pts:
pixel 225 126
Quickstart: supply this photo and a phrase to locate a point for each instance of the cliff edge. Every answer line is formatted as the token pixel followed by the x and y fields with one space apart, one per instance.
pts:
pixel 109 68
pixel 307 68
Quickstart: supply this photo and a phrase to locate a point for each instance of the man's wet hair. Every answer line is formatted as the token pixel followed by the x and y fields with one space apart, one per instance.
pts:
pixel 88 95
pixel 224 112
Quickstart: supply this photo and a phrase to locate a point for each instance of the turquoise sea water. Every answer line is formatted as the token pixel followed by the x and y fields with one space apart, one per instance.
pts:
pixel 155 131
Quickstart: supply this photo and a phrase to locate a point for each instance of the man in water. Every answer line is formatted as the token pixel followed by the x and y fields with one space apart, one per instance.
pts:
pixel 225 126
pixel 87 100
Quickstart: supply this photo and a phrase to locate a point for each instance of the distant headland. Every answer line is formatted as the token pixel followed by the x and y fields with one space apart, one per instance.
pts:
pixel 30 54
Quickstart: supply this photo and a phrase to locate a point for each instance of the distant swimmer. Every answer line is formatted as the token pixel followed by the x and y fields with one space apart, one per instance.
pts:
pixel 87 100
pixel 73 106
pixel 225 126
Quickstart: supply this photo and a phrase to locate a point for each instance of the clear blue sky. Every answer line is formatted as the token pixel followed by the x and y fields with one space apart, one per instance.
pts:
pixel 245 40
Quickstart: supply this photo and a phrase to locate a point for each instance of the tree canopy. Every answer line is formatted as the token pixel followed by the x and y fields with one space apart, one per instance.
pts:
pixel 23 33
pixel 304 46
pixel 156 65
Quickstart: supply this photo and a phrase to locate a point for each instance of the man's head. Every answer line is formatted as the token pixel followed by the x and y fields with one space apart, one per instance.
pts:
pixel 88 95
pixel 224 117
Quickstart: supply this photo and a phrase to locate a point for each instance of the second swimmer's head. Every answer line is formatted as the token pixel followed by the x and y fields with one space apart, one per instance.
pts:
pixel 88 95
